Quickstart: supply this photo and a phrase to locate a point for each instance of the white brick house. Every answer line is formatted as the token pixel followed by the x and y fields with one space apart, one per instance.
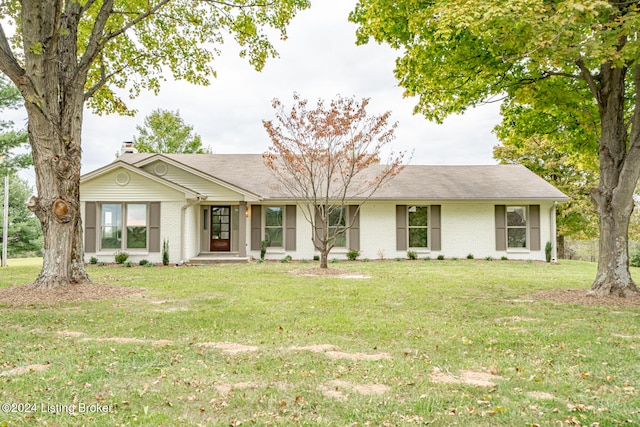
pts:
pixel 208 205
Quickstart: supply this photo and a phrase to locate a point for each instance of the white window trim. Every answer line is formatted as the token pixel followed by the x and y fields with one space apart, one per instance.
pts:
pixel 526 227
pixel 275 249
pixel 420 249
pixel 123 226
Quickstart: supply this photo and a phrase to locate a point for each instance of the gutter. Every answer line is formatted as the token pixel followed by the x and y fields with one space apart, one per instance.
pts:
pixel 183 211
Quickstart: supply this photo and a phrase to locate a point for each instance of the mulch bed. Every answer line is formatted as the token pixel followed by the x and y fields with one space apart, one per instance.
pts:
pixel 579 296
pixel 22 295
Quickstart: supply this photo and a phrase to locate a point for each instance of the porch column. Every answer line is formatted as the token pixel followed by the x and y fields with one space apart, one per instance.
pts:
pixel 242 230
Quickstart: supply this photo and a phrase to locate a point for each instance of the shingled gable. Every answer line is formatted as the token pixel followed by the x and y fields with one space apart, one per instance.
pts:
pixel 247 173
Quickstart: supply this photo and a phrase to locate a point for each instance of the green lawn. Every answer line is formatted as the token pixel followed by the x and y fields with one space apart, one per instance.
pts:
pixel 255 345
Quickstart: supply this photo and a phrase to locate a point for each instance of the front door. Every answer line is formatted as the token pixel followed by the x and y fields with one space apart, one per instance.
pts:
pixel 220 229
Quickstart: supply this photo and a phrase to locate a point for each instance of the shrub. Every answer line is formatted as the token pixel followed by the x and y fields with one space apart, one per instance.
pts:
pixel 335 261
pixel 102 264
pixel 128 264
pixel 399 259
pixel 547 251
pixel 165 252
pixel 504 258
pixel 440 257
pixel 263 248
pixel 93 260
pixel 412 255
pixel 427 258
pixel 143 262
pixel 286 259
pixel 121 257
pixel 470 256
pixel 316 257
pixel 489 258
pixel 353 254
pixel 149 264
pixel 455 258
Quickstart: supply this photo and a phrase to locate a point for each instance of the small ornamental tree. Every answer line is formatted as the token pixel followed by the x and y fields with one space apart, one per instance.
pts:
pixel 328 158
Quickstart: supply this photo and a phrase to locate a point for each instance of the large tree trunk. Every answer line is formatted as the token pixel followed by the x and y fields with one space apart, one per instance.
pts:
pixel 53 88
pixel 57 206
pixel 619 158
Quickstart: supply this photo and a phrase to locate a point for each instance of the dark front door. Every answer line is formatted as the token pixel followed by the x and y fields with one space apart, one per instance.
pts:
pixel 220 229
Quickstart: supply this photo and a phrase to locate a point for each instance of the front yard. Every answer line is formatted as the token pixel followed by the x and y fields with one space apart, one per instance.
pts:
pixel 410 343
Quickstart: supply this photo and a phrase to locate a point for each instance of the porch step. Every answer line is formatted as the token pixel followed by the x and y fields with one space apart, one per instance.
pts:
pixel 217 259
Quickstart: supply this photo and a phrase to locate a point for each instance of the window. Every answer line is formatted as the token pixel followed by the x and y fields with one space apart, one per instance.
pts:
pixel 273 226
pixel 136 226
pixel 337 226
pixel 132 234
pixel 111 232
pixel 516 227
pixel 418 227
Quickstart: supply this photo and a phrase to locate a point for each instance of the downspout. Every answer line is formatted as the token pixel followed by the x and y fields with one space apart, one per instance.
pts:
pixel 553 231
pixel 183 211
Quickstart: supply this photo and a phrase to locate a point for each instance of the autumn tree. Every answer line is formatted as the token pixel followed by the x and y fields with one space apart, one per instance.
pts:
pixel 67 55
pixel 582 55
pixel 328 158
pixel 166 132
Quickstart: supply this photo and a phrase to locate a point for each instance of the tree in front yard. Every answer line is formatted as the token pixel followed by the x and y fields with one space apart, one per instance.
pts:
pixel 328 159
pixel 68 55
pixel 166 132
pixel 575 60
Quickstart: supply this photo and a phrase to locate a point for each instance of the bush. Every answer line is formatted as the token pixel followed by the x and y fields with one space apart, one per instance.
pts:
pixel 412 255
pixel 489 258
pixel 93 260
pixel 635 260
pixel 121 257
pixel 143 262
pixel 427 258
pixel 316 257
pixel 440 257
pixel 128 264
pixel 335 261
pixel 149 264
pixel 504 258
pixel 470 256
pixel 286 259
pixel 263 248
pixel 353 254
pixel 165 252
pixel 547 251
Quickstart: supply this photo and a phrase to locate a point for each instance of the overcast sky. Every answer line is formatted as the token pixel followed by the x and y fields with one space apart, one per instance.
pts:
pixel 318 60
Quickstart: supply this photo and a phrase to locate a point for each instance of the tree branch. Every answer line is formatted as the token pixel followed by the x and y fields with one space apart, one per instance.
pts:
pixel 8 63
pixel 591 80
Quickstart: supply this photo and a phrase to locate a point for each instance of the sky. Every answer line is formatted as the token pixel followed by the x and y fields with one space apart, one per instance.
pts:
pixel 320 59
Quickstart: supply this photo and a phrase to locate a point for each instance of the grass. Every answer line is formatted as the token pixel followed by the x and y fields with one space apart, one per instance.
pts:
pixel 557 364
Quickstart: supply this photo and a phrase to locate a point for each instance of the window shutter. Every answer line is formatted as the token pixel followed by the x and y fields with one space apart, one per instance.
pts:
pixel 534 227
pixel 256 227
pixel 354 231
pixel 154 227
pixel 434 224
pixel 90 234
pixel 501 228
pixel 401 227
pixel 318 229
pixel 290 224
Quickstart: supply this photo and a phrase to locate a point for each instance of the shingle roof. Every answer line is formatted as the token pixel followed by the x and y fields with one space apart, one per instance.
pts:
pixel 249 172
